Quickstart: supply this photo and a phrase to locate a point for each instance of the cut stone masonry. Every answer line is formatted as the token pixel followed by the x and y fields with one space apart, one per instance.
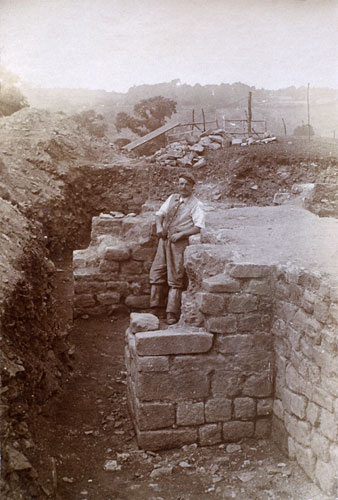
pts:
pixel 255 353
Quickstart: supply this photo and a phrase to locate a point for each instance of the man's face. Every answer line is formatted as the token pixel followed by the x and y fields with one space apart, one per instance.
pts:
pixel 185 187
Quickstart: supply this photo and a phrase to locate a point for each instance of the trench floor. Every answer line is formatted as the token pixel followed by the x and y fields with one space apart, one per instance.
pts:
pixel 87 425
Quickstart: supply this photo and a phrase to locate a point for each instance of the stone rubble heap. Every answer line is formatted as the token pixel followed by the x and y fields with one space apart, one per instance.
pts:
pixel 189 152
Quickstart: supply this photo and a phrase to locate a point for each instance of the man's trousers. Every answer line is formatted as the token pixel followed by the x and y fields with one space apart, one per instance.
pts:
pixel 168 268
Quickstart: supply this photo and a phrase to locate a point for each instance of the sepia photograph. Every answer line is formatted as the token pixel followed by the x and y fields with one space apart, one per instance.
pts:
pixel 169 249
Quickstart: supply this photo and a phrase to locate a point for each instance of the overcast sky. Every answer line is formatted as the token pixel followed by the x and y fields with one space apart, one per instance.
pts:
pixel 115 44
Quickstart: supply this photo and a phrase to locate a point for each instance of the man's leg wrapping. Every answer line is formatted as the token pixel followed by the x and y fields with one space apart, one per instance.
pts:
pixel 175 267
pixel 158 276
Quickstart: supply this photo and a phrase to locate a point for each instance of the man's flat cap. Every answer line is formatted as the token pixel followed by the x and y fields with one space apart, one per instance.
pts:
pixel 188 176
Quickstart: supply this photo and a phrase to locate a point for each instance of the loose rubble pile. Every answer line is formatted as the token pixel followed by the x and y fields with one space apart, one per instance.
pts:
pixel 189 151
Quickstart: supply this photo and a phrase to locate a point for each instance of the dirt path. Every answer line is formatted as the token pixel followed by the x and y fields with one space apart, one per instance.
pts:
pixel 88 425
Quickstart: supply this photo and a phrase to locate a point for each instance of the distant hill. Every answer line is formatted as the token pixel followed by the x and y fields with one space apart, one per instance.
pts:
pixel 224 101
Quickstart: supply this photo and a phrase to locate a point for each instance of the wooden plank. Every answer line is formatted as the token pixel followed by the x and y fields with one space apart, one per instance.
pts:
pixel 152 135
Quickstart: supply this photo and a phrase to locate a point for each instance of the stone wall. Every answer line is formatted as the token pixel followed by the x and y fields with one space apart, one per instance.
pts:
pixel 265 352
pixel 305 419
pixel 114 270
pixel 207 385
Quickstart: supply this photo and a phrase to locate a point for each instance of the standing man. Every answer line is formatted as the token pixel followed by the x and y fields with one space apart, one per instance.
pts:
pixel 180 216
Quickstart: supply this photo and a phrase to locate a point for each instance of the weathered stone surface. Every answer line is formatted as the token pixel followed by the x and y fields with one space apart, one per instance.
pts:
pixel 151 416
pixel 298 429
pixel 138 301
pixel 210 434
pixel 210 303
pixel 312 413
pixel 226 383
pixel 221 324
pixel 263 428
pixel 221 283
pixel 171 387
pixel 258 386
pixel 278 409
pixel 326 475
pixel 328 425
pixel 249 270
pixel 88 288
pixel 143 322
pixel 116 252
pixel 107 298
pixel 153 363
pixel 305 457
pixel 234 431
pixel 294 403
pixel 144 254
pixel 244 408
pixel 295 382
pixel 322 398
pixel 244 303
pixel 84 300
pixel 107 268
pixel 166 439
pixel 189 413
pixel 163 342
pixel 264 406
pixel 242 343
pixel 218 410
pixel 320 445
pixel 206 363
pixel 131 268
pixel 250 322
pixel 258 287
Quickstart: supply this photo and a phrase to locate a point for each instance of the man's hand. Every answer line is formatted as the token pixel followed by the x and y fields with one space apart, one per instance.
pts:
pixel 176 236
pixel 160 234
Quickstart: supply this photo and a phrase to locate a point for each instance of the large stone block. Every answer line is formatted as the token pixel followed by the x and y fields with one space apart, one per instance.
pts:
pixel 263 428
pixel 249 270
pixel 244 408
pixel 322 398
pixel 171 387
pixel 153 363
pixel 328 425
pixel 206 363
pixel 151 416
pixel 243 303
pixel 211 303
pixel 143 322
pixel 218 410
pixel 259 386
pixel 221 283
pixel 131 268
pixel 144 254
pixel 258 287
pixel 164 342
pixel 320 445
pixel 166 439
pixel 295 382
pixel 294 403
pixel 326 475
pixel 108 269
pixel 227 384
pixel 250 322
pixel 221 324
pixel 234 431
pixel 107 298
pixel 116 252
pixel 305 458
pixel 84 300
pixel 312 413
pixel 210 434
pixel 264 407
pixel 243 343
pixel 189 413
pixel 138 301
pixel 298 429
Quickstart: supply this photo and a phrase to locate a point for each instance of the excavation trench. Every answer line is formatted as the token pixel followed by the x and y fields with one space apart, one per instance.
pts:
pixel 65 408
